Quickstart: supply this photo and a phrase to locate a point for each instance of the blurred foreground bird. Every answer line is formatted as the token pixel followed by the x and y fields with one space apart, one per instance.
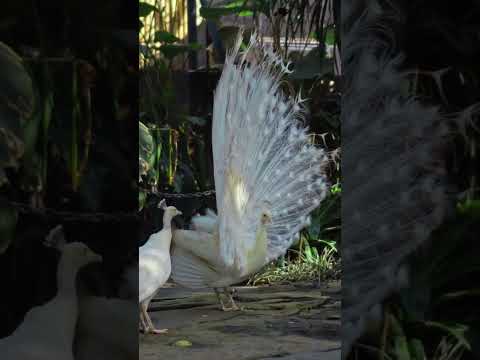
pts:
pixel 154 266
pixel 48 330
pixel 268 176
pixel 106 328
pixel 393 143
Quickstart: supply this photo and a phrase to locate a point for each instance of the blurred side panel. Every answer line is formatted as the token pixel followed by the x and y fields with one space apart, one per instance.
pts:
pixel 68 179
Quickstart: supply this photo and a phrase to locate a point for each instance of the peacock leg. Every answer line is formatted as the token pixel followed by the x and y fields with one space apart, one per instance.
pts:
pixel 229 293
pixel 219 297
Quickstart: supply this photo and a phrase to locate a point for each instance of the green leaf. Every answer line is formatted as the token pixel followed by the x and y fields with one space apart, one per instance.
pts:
pixel 470 207
pixel 330 36
pixel 172 50
pixel 16 107
pixel 215 13
pixel 241 4
pixel 336 188
pixel 145 148
pixel 400 346
pixel 416 349
pixel 144 9
pixel 308 251
pixel 142 197
pixel 166 37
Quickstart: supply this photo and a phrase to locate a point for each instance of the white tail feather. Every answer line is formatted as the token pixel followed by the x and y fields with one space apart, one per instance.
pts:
pixel 263 155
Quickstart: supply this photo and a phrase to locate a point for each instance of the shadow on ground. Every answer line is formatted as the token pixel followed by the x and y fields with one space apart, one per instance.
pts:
pixel 293 322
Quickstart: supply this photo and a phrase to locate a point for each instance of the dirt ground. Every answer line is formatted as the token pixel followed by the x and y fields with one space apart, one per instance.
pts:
pixel 293 322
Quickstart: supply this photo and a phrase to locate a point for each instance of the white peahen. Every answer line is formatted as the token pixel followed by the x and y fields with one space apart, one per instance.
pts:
pixel 269 176
pixel 154 266
pixel 47 331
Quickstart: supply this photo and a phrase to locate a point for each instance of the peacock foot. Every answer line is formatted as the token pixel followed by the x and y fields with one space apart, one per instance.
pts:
pixel 233 305
pixel 155 331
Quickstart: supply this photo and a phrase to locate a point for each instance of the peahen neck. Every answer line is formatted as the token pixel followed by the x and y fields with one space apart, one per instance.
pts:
pixel 162 239
pixel 66 277
pixel 66 301
pixel 167 221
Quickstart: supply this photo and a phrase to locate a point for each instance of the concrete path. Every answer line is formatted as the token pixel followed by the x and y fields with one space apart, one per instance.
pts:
pixel 289 322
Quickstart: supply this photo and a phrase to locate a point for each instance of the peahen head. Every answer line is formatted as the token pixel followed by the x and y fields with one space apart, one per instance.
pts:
pixel 80 254
pixel 169 211
pixel 77 253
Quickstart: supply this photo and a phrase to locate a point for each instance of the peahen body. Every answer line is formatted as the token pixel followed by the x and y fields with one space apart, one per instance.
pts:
pixel 154 266
pixel 268 175
pixel 48 330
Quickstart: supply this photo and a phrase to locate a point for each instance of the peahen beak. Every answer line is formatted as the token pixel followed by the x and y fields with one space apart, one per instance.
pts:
pixel 97 257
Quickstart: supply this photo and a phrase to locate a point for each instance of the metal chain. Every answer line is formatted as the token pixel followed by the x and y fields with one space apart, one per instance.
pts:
pixel 207 193
pixel 74 216
pixel 101 216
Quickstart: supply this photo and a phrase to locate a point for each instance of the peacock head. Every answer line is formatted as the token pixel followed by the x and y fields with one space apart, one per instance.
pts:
pixel 265 214
pixel 169 211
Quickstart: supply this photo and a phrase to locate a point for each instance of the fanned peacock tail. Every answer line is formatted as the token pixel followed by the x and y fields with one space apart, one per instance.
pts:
pixel 395 191
pixel 263 154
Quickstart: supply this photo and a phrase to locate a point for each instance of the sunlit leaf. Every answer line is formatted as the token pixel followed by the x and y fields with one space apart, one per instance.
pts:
pixel 166 37
pixel 144 9
pixel 215 13
pixel 172 50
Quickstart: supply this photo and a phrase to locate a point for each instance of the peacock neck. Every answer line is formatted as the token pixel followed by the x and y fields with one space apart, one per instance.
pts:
pixel 257 255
